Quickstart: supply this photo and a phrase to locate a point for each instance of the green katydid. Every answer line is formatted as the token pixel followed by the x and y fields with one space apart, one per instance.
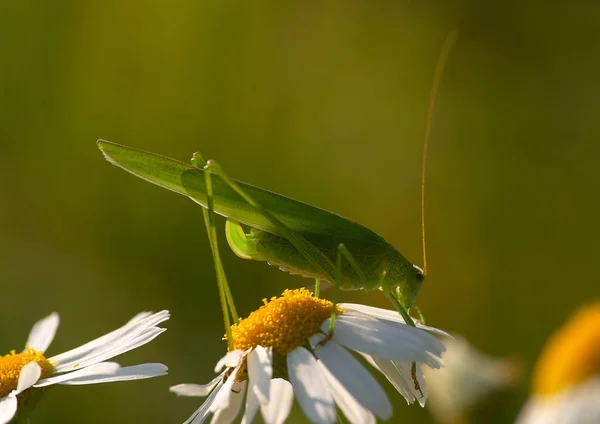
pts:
pixel 292 235
pixel 297 237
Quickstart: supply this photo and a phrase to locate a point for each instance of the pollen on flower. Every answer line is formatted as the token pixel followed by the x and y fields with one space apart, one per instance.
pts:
pixel 572 354
pixel 11 365
pixel 283 323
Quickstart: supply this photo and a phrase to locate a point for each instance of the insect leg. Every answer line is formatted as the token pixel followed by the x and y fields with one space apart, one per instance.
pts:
pixel 409 321
pixel 225 295
pixel 421 316
pixel 343 250
pixel 317 287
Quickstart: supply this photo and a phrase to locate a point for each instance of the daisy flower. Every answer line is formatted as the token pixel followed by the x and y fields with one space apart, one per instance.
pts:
pixel 466 378
pixel 566 380
pixel 25 374
pixel 282 351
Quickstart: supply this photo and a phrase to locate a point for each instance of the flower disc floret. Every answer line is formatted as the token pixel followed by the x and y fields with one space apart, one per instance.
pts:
pixel 283 323
pixel 11 365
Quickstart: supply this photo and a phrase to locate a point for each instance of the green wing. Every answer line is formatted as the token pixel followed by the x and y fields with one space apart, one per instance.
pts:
pixel 189 181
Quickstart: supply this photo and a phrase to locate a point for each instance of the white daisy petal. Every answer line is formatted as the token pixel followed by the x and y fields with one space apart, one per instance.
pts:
pixel 385 340
pixel 232 359
pixel 395 377
pixel 102 369
pixel 405 369
pixel 226 414
pixel 260 370
pixel 135 372
pixel 278 408
pixel 43 332
pixel 390 316
pixel 252 405
pixel 310 386
pixel 8 408
pixel 222 399
pixel 574 404
pixel 354 378
pixel 199 390
pixel 424 387
pixel 352 409
pixel 28 376
pixel 74 355
pixel 201 413
pixel 136 329
pixel 370 360
pixel 116 348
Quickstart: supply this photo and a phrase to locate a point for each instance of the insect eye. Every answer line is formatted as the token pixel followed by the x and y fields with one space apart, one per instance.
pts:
pixel 420 275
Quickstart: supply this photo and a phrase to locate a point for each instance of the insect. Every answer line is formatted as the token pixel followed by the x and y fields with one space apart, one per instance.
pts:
pixel 292 235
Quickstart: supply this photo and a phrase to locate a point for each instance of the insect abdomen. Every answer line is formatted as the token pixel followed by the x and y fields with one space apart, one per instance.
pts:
pixel 278 251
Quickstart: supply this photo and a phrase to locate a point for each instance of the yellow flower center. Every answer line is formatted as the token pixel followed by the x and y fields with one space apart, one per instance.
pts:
pixel 283 323
pixel 11 365
pixel 571 355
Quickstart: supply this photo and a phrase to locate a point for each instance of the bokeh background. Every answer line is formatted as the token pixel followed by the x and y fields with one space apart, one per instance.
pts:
pixel 321 101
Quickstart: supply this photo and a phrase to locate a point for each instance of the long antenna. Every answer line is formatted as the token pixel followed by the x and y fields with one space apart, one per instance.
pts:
pixel 437 76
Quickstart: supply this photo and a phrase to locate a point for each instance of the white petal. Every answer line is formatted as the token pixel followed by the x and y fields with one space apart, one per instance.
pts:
pixel 227 414
pixel 138 331
pixel 396 378
pixel 135 372
pixel 74 354
pixel 278 408
pixel 28 376
pixel 424 387
pixel 310 386
pixel 97 370
pixel 117 348
pixel 390 316
pixel 252 405
pixel 577 404
pixel 354 378
pixel 538 410
pixel 260 370
pixel 222 399
pixel 386 339
pixel 42 333
pixel 201 413
pixel 354 411
pixel 200 390
pixel 405 369
pixel 8 408
pixel 232 359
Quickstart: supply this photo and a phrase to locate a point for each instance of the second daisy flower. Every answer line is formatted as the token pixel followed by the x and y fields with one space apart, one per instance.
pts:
pixel 282 350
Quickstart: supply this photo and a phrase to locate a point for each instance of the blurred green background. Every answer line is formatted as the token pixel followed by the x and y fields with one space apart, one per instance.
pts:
pixel 323 102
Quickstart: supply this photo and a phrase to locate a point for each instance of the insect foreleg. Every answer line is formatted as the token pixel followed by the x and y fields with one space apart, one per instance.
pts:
pixel 392 297
pixel 421 316
pixel 409 321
